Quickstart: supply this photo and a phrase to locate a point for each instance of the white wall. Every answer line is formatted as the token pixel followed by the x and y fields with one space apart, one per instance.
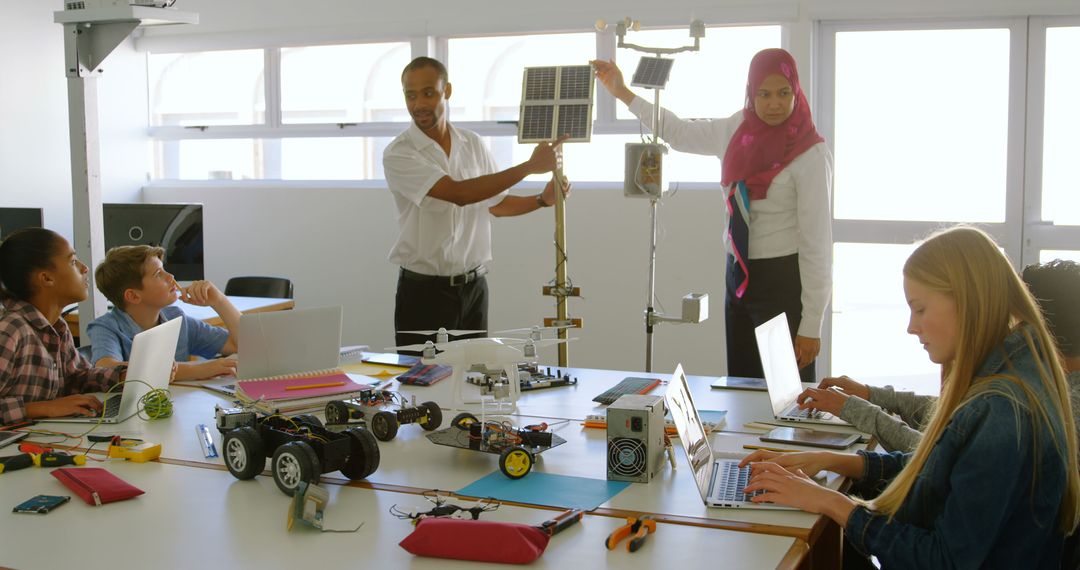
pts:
pixel 333 243
pixel 34 166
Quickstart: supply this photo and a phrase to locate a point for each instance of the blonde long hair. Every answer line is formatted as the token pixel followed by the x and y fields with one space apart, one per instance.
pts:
pixel 965 264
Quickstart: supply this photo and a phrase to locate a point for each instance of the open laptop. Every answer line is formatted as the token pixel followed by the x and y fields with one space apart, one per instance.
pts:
pixel 152 354
pixel 782 374
pixel 718 477
pixel 287 342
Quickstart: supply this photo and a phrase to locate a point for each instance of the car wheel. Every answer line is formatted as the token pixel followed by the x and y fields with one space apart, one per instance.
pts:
pixel 363 454
pixel 516 462
pixel 434 416
pixel 463 420
pixel 384 425
pixel 242 451
pixel 295 462
pixel 337 412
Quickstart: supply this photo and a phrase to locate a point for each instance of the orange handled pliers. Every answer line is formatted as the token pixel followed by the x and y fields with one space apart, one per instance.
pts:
pixel 636 527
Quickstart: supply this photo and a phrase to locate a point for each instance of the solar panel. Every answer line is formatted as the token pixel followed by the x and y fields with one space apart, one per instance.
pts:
pixel 652 72
pixel 540 83
pixel 556 101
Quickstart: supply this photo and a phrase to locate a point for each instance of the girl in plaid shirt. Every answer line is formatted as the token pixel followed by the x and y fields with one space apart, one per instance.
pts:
pixel 42 375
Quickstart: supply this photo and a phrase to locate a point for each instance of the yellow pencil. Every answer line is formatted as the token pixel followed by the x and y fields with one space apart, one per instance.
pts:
pixel 778 449
pixel 310 386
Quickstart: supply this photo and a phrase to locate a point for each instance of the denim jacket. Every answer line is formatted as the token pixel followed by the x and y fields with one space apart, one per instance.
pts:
pixel 976 504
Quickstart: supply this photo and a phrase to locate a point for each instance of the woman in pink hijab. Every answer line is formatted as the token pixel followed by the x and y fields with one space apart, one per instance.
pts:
pixel 776 172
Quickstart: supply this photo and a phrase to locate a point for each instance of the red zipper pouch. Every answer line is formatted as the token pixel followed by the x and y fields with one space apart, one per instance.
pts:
pixel 481 541
pixel 96 486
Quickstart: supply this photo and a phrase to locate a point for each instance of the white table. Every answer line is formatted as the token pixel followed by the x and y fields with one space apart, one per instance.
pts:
pixel 192 517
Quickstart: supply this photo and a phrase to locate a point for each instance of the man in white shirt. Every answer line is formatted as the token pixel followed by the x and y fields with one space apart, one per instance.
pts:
pixel 446 187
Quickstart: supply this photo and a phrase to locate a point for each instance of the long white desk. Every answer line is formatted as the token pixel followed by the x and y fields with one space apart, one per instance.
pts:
pixel 192 517
pixel 410 462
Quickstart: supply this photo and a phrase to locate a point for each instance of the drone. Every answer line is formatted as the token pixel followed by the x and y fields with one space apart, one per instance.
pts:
pixel 442 507
pixel 494 360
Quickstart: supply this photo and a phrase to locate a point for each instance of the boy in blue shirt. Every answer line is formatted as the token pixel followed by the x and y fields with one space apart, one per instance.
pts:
pixel 142 293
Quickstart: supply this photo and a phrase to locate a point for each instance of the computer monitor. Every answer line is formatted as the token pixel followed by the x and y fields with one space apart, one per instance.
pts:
pixel 12 219
pixel 176 227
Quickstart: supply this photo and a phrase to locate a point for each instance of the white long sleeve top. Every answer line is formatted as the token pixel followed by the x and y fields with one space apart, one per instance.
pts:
pixel 794 217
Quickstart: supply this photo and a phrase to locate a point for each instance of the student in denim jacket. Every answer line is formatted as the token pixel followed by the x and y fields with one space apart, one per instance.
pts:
pixel 994 482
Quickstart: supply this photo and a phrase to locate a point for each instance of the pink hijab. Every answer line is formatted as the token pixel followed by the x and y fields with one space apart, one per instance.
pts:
pixel 758 152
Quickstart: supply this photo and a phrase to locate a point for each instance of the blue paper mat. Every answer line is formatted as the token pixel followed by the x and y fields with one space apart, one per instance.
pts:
pixel 546 489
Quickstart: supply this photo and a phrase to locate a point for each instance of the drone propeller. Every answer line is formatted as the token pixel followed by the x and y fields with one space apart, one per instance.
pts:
pixel 538 343
pixel 451 332
pixel 535 329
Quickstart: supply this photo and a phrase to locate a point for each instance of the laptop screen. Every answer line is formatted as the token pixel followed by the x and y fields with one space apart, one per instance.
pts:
pixel 288 342
pixel 778 362
pixel 691 432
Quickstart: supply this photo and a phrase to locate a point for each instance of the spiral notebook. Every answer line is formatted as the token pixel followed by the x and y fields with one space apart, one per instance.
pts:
pixel 304 385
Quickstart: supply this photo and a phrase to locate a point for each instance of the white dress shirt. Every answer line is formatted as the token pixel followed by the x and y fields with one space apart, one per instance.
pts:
pixel 794 217
pixel 438 237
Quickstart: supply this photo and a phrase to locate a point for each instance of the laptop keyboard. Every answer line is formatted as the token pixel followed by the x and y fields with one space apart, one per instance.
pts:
pixel 807 414
pixel 732 481
pixel 112 407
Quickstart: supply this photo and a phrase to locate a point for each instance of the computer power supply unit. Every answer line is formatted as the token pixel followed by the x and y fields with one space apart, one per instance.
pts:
pixel 635 438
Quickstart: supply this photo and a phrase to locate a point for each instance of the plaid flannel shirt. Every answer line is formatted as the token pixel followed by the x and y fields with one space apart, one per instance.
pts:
pixel 38 361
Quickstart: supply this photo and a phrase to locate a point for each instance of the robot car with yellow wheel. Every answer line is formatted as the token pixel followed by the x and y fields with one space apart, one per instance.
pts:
pixel 517 447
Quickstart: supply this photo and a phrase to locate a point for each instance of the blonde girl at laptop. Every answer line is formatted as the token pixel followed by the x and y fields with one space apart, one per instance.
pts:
pixel 42 375
pixel 994 482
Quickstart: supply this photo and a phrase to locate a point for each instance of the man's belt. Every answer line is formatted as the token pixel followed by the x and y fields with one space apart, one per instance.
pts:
pixel 451 280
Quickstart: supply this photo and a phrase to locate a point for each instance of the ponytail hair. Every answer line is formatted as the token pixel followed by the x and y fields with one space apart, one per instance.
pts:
pixel 23 252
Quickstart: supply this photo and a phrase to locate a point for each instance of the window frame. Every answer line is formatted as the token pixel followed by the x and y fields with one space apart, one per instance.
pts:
pixel 270 133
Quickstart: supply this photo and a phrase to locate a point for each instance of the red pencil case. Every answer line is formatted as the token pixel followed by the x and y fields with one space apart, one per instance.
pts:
pixel 481 541
pixel 96 486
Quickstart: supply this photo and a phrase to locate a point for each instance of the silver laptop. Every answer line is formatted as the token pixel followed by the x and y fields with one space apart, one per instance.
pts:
pixel 153 352
pixel 782 374
pixel 287 342
pixel 718 476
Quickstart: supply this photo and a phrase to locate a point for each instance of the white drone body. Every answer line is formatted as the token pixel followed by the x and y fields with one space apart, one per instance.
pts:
pixel 497 359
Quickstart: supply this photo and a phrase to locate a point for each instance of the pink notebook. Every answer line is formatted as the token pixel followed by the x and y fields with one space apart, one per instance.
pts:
pixel 299 386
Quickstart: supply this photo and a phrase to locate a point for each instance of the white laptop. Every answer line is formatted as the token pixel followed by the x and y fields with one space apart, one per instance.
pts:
pixel 782 374
pixel 153 352
pixel 287 342
pixel 718 477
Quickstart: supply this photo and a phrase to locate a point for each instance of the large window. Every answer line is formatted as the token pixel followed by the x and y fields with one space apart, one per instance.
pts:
pixel 487 72
pixel 707 83
pixel 1061 192
pixel 326 112
pixel 207 88
pixel 933 125
pixel 214 115
pixel 922 121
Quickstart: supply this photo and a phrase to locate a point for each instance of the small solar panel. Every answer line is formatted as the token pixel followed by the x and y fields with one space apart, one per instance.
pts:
pixel 556 101
pixel 652 72
pixel 540 84
pixel 575 82
pixel 574 120
pixel 536 121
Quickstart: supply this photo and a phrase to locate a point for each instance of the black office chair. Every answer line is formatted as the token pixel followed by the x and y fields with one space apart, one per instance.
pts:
pixel 275 287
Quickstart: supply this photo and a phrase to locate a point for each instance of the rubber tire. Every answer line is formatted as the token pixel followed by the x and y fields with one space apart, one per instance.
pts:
pixel 308 419
pixel 434 416
pixel 463 420
pixel 384 425
pixel 336 412
pixel 512 454
pixel 306 461
pixel 363 454
pixel 246 442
